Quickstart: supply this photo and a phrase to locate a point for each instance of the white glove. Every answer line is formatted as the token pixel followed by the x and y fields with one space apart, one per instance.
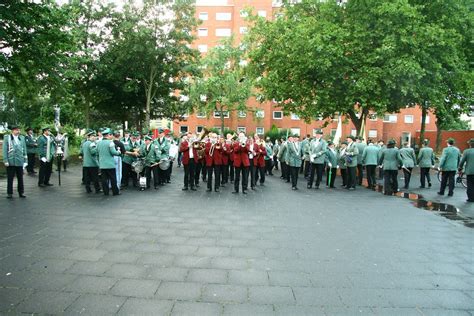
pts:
pixel 330 165
pixel 337 167
pixel 6 164
pixel 432 166
pixel 43 159
pixel 24 165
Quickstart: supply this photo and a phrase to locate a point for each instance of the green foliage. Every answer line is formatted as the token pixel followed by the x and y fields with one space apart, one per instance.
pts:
pixel 276 134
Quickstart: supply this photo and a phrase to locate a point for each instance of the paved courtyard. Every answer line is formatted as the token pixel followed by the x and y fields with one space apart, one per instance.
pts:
pixel 272 252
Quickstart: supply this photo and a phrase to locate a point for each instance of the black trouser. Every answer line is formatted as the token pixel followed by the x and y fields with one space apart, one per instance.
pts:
pixel 260 172
pixel 380 173
pixel 360 173
pixel 318 168
pixel 231 171
pixel 225 173
pixel 189 172
pixel 470 187
pixel 275 162
pixel 351 177
pixel 106 176
pixel 197 172
pixel 330 176
pixel 425 174
pixel 390 182
pixel 294 176
pixel 168 172
pixel 285 171
pixel 91 174
pixel 244 171
pixel 371 181
pixel 161 176
pixel 447 176
pixel 11 172
pixel 307 168
pixel 407 176
pixel 269 166
pixel 148 172
pixel 127 173
pixel 45 172
pixel 180 159
pixel 64 163
pixel 344 177
pixel 252 173
pixel 31 163
pixel 217 171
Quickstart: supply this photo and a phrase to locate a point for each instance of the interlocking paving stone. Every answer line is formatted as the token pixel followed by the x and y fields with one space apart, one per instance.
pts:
pixel 224 293
pixel 92 304
pixel 91 284
pixel 125 270
pixel 289 278
pixel 139 306
pixel 179 290
pixel 283 310
pixel 87 254
pixel 135 288
pixel 317 296
pixel 9 298
pixel 194 308
pixel 89 268
pixel 271 294
pixel 249 309
pixel 248 277
pixel 207 276
pixel 192 262
pixel 51 281
pixel 168 274
pixel 120 257
pixel 47 302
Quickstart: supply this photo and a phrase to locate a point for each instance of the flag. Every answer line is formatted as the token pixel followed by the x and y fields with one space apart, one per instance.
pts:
pixel 338 135
pixel 362 132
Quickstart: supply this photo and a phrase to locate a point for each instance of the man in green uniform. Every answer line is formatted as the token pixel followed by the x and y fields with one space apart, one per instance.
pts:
pixel 341 156
pixel 269 156
pixel 151 152
pixel 106 151
pixel 306 164
pixel 426 160
pixel 15 160
pixel 163 149
pixel 294 161
pixel 282 153
pixel 360 167
pixel 46 150
pixel 132 148
pixel 331 161
pixel 276 148
pixel 448 165
pixel 90 163
pixel 352 152
pixel 317 156
pixel 31 148
pixel 370 157
pixel 390 160
pixel 468 160
pixel 408 163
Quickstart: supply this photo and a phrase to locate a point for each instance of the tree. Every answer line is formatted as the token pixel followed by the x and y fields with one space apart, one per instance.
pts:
pixel 223 87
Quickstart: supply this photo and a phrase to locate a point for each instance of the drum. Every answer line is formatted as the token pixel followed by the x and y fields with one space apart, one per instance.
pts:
pixel 138 165
pixel 164 164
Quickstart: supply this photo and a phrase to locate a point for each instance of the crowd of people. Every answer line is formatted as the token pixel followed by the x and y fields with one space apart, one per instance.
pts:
pixel 112 160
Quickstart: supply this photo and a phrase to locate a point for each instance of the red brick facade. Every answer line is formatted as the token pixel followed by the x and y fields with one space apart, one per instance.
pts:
pixel 226 19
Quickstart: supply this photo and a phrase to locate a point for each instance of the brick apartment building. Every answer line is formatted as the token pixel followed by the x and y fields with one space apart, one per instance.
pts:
pixel 223 18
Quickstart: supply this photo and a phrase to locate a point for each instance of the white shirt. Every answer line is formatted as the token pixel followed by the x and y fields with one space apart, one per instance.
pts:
pixel 191 152
pixel 16 140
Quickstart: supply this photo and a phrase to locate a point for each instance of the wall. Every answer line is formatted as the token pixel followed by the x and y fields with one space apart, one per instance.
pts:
pixel 461 138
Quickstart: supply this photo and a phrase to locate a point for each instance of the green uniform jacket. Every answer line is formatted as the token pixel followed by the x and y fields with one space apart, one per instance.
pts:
pixel 390 159
pixel 426 157
pixel 151 156
pixel 163 148
pixel 89 154
pixel 129 146
pixel 317 151
pixel 360 148
pixel 295 152
pixel 30 144
pixel 331 157
pixel 14 153
pixel 282 152
pixel 370 156
pixel 276 148
pixel 341 158
pixel 408 157
pixel 450 159
pixel 269 150
pixel 468 159
pixel 305 147
pixel 106 151
pixel 42 147
pixel 352 151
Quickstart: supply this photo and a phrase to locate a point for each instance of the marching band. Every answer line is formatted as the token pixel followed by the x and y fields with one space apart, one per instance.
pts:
pixel 238 159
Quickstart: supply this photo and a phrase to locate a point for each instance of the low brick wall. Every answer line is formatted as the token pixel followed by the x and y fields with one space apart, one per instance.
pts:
pixel 461 138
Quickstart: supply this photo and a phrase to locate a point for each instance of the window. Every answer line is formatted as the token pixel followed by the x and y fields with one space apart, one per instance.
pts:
pixel 203 16
pixel 202 48
pixel 409 119
pixel 260 113
pixel 262 13
pixel 295 131
pixel 260 130
pixel 353 132
pixel 223 32
pixel 223 16
pixel 242 114
pixel 372 133
pixel 373 117
pixel 243 30
pixel 241 129
pixel 202 32
pixel 183 129
pixel 200 114
pixel 243 14
pixel 294 116
pixel 427 121
pixel 277 115
pixel 390 118
pixel 217 114
pixel 199 129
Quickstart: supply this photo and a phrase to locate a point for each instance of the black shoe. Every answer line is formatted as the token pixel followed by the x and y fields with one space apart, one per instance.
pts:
pixel 193 189
pixel 351 189
pixel 450 194
pixel 429 184
pixel 316 187
pixel 41 185
pixel 235 192
pixel 244 192
pixel 23 196
pixel 9 196
pixel 114 194
pixel 308 186
pixel 421 187
pixel 157 187
pixel 168 181
pixel 439 193
pixel 89 191
pixel 294 188
pixel 469 200
pixel 48 184
pixel 216 190
pixel 185 189
pixel 208 190
pixel 98 191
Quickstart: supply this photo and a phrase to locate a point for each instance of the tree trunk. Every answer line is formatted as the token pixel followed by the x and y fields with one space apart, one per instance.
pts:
pixel 438 134
pixel 356 120
pixel 423 123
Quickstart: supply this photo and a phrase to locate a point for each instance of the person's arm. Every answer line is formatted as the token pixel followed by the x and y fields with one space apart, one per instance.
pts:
pixel 5 150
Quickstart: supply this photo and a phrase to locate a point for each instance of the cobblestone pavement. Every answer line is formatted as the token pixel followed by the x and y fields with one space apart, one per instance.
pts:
pixel 272 252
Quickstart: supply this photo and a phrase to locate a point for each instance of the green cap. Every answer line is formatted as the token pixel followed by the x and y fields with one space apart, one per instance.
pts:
pixel 106 131
pixel 148 137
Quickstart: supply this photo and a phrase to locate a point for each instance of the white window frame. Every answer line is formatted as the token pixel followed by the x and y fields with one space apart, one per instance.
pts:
pixel 260 114
pixel 243 30
pixel 261 132
pixel 200 114
pixel 202 32
pixel 372 133
pixel 262 13
pixel 202 48
pixel 295 117
pixel 427 121
pixel 223 32
pixel 408 117
pixel 241 129
pixel 223 16
pixel 295 130
pixel 278 118
pixel 203 16
pixel 353 132
pixel 392 118
pixel 241 114
pixel 226 114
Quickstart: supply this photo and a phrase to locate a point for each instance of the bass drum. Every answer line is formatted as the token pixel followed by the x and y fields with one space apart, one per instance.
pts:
pixel 138 165
pixel 164 164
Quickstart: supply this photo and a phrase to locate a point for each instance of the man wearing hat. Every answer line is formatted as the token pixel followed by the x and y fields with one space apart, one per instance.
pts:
pixel 31 148
pixel 351 155
pixel 390 160
pixel 90 164
pixel 342 163
pixel 163 150
pixel 370 158
pixel 46 150
pixel 294 160
pixel 285 174
pixel 132 148
pixel 151 152
pixel 408 162
pixel 331 160
pixel 360 167
pixel 468 160
pixel 448 165
pixel 317 157
pixel 15 160
pixel 106 151
pixel 426 160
